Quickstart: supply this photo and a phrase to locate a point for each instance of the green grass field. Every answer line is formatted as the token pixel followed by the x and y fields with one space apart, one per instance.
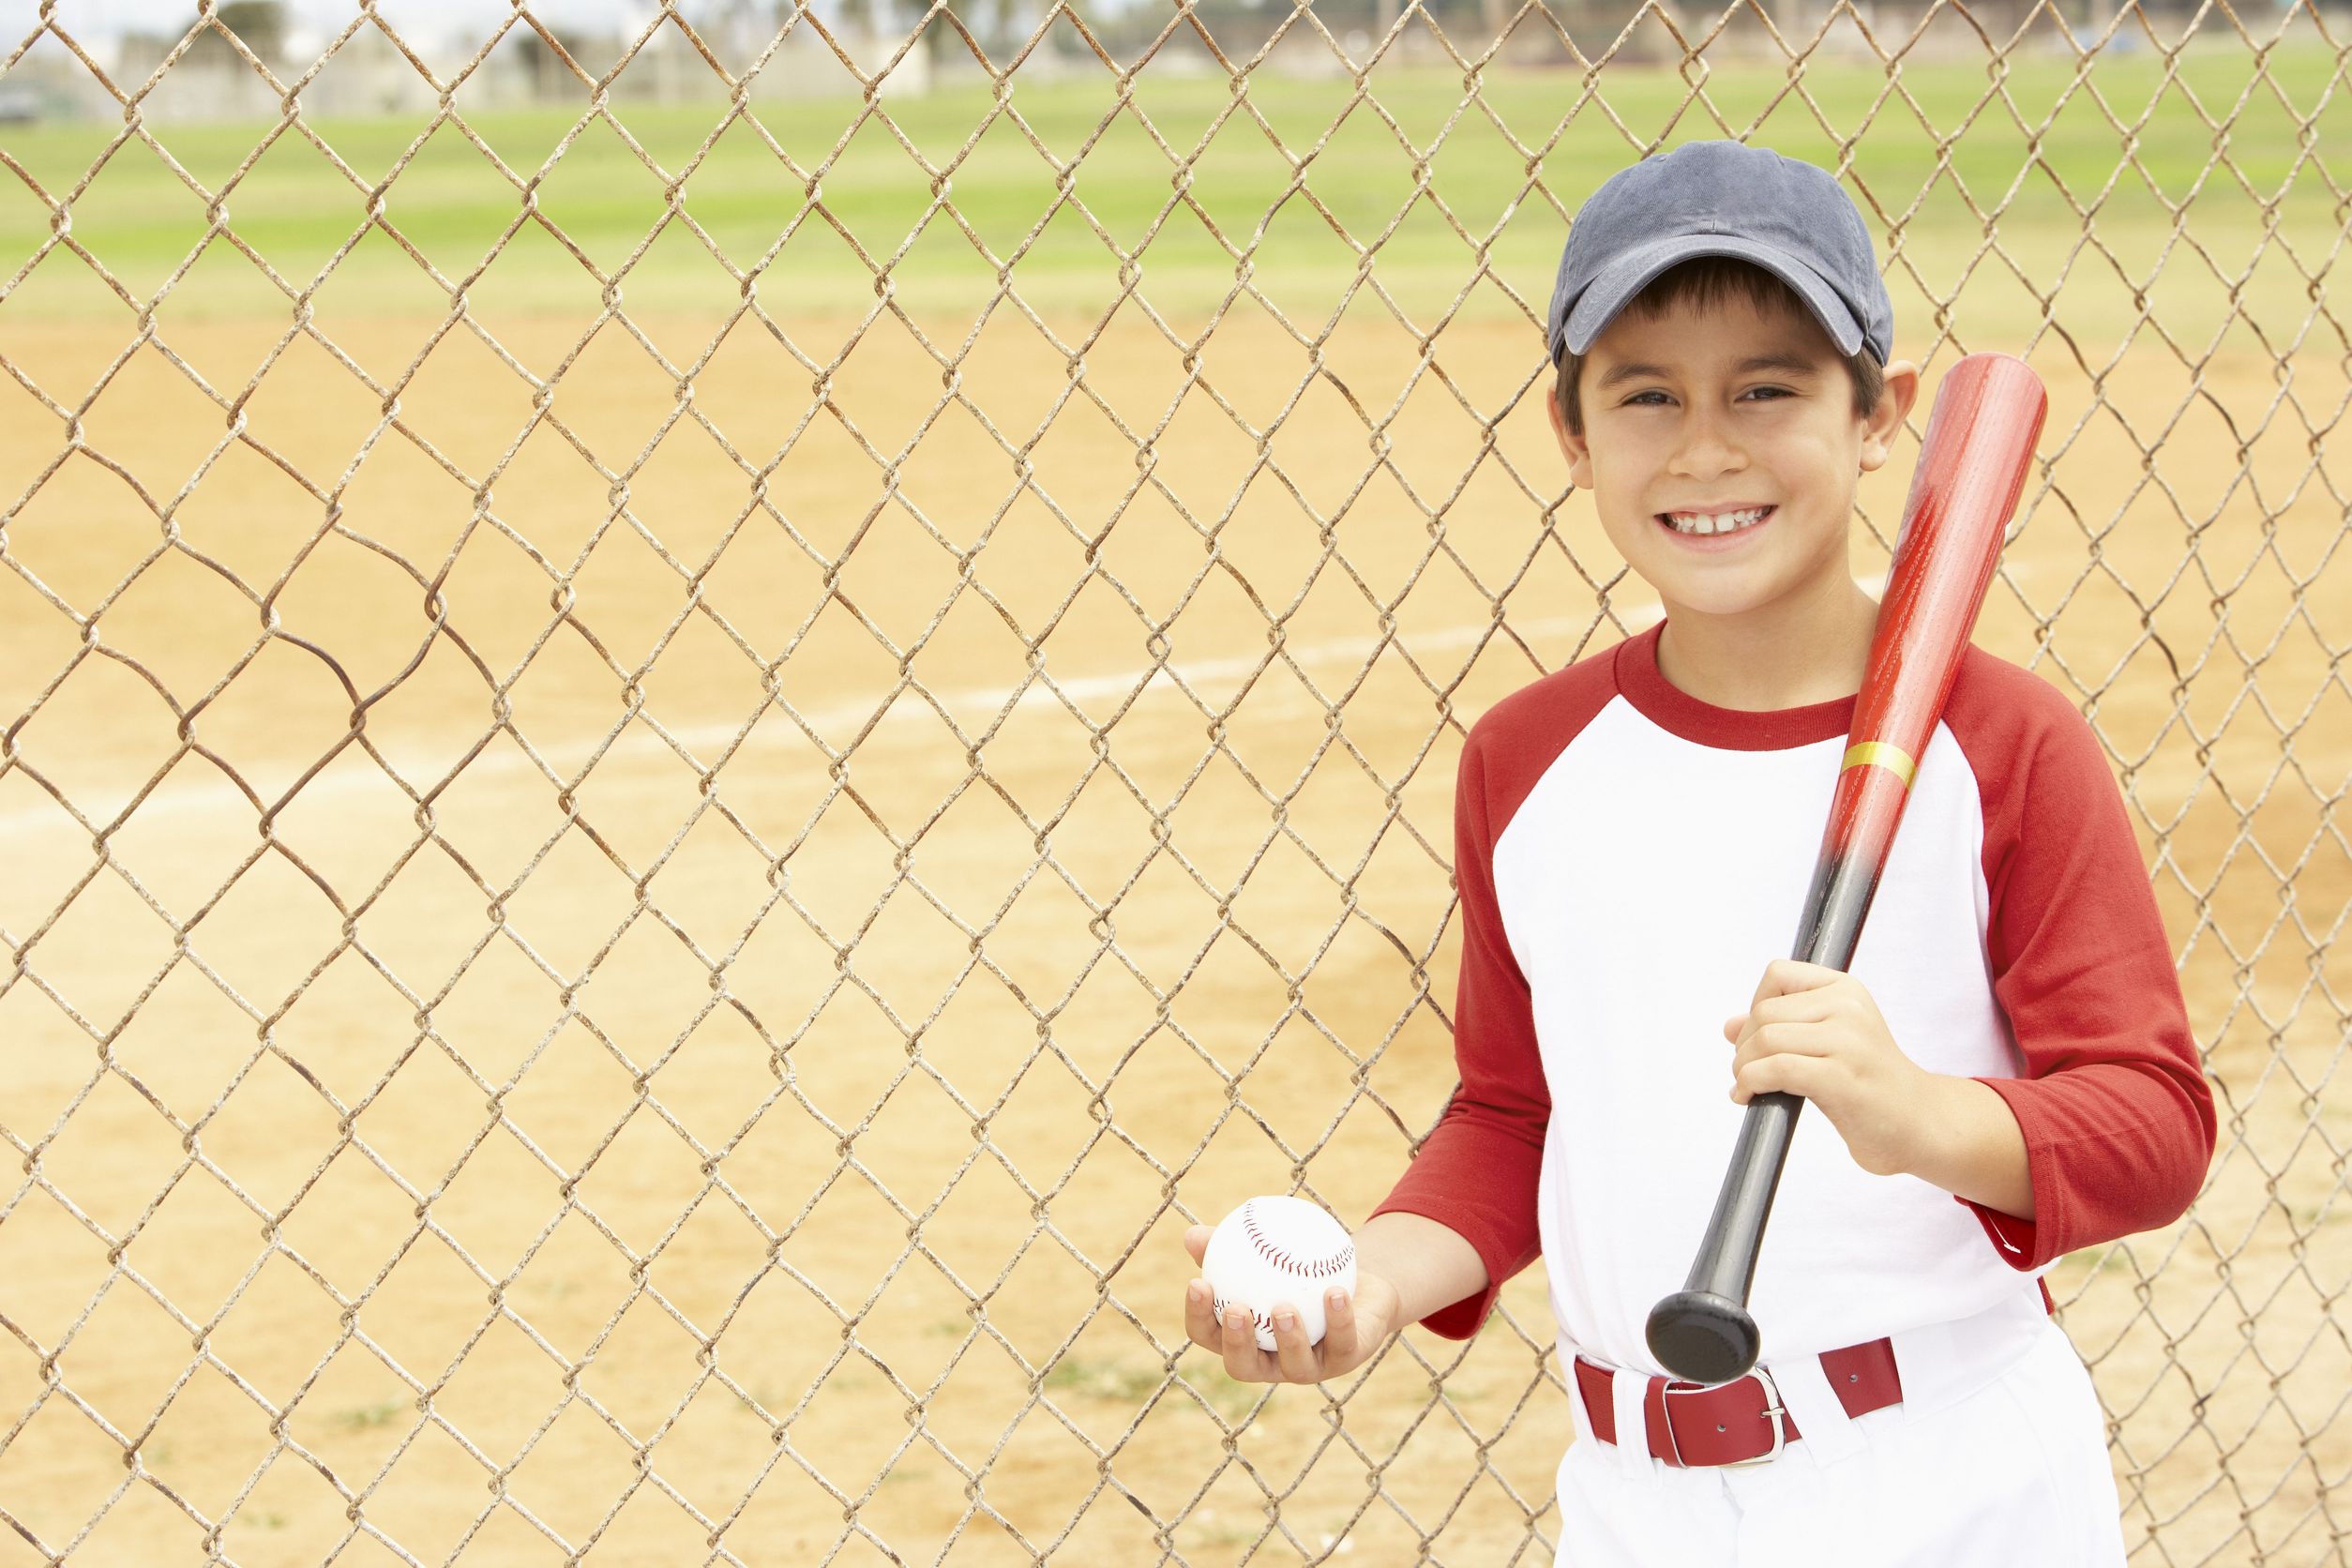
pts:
pixel 603 196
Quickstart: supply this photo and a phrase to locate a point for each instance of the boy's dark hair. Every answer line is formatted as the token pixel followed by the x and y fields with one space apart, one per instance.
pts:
pixel 1707 280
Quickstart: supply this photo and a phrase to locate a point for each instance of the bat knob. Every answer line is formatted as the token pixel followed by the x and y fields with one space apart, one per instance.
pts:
pixel 1703 1338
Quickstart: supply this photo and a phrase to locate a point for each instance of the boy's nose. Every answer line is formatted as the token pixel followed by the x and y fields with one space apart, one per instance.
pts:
pixel 1706 451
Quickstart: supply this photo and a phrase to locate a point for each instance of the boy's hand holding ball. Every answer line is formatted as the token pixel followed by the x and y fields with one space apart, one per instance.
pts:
pixel 1281 1297
pixel 1276 1252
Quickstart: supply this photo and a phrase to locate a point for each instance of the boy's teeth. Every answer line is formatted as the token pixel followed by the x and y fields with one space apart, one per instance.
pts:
pixel 1692 522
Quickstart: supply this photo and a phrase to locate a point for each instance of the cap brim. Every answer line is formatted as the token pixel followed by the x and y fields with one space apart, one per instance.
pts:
pixel 1614 290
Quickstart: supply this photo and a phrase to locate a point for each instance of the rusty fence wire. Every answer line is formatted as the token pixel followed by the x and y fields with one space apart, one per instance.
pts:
pixel 630 935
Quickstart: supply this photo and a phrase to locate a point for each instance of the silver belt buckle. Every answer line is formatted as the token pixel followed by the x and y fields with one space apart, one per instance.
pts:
pixel 1773 1412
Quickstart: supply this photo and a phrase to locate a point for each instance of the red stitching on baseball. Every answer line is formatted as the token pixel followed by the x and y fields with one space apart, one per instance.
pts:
pixel 1326 1267
pixel 1219 1303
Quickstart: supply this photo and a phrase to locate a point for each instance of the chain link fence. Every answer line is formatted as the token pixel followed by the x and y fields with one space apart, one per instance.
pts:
pixel 648 871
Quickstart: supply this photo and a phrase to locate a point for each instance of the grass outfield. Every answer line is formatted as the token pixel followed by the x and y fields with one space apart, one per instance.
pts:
pixel 295 210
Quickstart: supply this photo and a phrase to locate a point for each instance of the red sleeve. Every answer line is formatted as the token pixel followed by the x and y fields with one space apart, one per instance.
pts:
pixel 2117 1114
pixel 1476 1172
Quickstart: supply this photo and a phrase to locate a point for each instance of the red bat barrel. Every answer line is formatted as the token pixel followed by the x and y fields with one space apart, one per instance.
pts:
pixel 1972 467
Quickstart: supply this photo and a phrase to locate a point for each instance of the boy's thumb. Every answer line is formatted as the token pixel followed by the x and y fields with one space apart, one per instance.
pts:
pixel 1197 1241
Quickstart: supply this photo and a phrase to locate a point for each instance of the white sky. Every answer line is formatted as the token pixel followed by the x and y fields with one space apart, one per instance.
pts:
pixel 475 17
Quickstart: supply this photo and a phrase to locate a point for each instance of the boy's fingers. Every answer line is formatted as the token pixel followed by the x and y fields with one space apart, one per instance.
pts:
pixel 1785 1042
pixel 1243 1361
pixel 1200 1319
pixel 1783 976
pixel 1339 1330
pixel 1296 1356
pixel 1790 1074
pixel 1741 1031
pixel 1789 1007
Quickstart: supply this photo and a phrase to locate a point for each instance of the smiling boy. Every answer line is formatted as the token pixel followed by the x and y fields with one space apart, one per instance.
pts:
pixel 2004 1075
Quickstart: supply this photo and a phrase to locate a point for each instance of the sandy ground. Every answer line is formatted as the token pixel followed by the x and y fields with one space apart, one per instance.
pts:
pixel 593 1104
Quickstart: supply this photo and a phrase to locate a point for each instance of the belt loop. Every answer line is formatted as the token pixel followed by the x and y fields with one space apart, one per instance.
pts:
pixel 1626 1389
pixel 1812 1404
pixel 1578 1410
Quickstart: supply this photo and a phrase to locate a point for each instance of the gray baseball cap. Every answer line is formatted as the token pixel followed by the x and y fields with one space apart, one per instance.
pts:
pixel 1721 199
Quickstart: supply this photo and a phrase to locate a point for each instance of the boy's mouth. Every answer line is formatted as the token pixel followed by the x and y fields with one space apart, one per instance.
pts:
pixel 1715 525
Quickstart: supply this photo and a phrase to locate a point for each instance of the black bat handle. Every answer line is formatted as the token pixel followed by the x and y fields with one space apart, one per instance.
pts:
pixel 1704 1332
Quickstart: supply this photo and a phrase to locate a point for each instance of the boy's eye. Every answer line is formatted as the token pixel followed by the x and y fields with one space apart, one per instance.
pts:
pixel 1635 401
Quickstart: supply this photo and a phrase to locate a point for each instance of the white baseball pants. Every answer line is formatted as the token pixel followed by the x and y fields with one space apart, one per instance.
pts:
pixel 2012 1473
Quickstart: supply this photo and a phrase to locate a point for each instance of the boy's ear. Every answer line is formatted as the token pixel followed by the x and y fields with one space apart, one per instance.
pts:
pixel 1879 426
pixel 1573 447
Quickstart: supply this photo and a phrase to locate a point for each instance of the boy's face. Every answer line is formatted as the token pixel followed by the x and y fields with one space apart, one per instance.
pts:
pixel 1676 421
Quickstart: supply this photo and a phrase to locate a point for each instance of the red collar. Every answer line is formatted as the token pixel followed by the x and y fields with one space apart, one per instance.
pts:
pixel 1679 712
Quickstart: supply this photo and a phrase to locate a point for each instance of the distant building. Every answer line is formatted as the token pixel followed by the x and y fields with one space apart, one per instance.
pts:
pixel 369 74
pixel 209 81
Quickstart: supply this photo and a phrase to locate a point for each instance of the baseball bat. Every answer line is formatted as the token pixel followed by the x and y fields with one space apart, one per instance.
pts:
pixel 1971 468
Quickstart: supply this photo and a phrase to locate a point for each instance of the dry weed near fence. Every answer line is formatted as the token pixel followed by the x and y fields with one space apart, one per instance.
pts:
pixel 630 937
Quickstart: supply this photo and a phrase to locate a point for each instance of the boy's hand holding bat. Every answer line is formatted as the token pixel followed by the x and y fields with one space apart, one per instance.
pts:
pixel 1815 1032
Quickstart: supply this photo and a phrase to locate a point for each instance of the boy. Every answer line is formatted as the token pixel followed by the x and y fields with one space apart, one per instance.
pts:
pixel 2005 1075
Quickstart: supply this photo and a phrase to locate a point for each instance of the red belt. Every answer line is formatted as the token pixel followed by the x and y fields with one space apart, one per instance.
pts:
pixel 1741 1421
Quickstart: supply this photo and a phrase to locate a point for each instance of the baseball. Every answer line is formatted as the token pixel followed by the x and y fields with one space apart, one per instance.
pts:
pixel 1278 1251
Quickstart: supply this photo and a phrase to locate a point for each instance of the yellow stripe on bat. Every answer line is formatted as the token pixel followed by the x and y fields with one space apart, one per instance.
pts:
pixel 1891 757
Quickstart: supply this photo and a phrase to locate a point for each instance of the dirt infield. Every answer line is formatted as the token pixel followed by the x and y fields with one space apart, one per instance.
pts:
pixel 1056 902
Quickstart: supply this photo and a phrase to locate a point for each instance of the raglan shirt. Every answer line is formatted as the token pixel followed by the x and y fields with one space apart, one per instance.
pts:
pixel 1628 858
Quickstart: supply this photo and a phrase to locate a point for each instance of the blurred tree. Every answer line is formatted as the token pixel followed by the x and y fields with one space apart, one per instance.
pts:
pixel 991 22
pixel 1094 15
pixel 1241 26
pixel 259 24
pixel 740 29
pixel 137 53
pixel 548 76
